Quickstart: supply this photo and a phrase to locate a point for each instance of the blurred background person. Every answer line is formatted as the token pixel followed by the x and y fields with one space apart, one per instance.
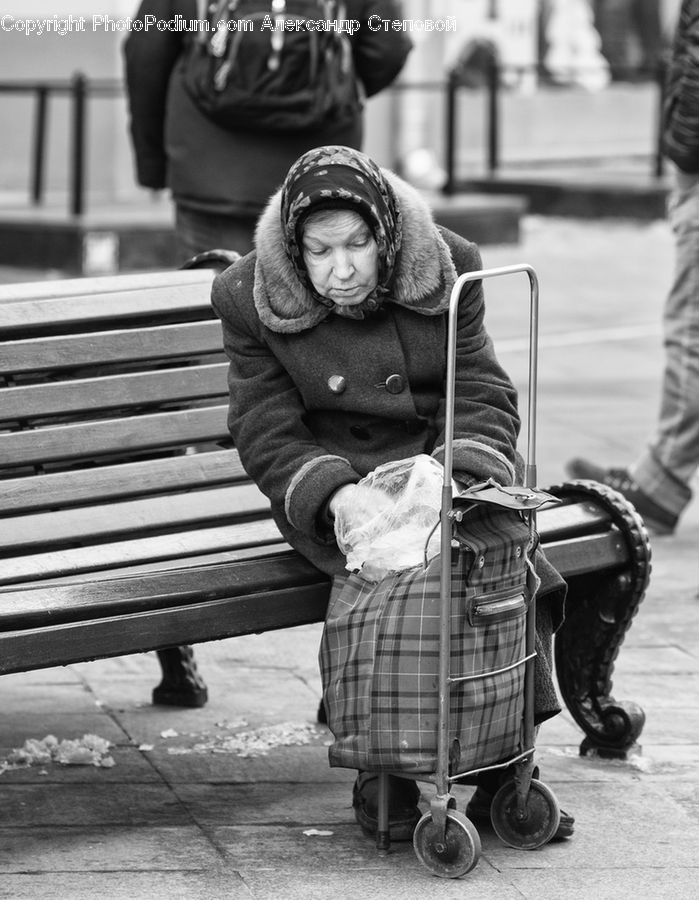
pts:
pixel 220 178
pixel 632 36
pixel 658 482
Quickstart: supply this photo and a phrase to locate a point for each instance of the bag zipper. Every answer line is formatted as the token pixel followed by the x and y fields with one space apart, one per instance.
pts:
pixel 496 607
pixel 485 609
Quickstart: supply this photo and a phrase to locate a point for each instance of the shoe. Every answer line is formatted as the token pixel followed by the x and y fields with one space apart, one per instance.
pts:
pixel 657 519
pixel 403 811
pixel 478 811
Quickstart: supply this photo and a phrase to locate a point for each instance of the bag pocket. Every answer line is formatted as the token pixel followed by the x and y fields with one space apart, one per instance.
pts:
pixel 498 606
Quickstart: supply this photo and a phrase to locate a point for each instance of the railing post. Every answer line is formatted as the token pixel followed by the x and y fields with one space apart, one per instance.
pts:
pixel 659 166
pixel 77 161
pixel 450 137
pixel 493 116
pixel 395 112
pixel 39 144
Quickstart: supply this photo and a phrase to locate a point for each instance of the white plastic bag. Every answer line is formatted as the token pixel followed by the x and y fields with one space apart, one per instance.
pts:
pixel 389 522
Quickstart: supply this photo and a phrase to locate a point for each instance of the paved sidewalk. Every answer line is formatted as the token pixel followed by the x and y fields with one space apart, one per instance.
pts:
pixel 181 814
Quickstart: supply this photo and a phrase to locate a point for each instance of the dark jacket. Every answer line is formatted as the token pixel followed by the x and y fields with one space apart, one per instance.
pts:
pixel 216 170
pixel 298 438
pixel 681 107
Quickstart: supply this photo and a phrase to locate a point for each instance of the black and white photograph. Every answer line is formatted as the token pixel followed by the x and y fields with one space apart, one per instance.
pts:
pixel 349 437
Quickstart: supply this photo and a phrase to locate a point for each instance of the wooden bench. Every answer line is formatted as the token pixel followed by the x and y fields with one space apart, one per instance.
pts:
pixel 129 525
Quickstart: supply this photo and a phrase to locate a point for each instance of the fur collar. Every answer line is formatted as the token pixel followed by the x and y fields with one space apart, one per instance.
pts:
pixel 422 280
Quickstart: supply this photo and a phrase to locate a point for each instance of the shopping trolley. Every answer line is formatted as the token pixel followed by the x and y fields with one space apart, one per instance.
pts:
pixel 524 812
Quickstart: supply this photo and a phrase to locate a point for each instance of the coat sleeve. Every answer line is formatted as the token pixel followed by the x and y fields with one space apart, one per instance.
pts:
pixel 149 58
pixel 486 421
pixel 379 55
pixel 266 419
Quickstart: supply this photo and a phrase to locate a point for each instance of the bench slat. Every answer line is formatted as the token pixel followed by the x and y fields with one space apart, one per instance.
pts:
pixel 116 636
pixel 122 436
pixel 75 562
pixel 568 519
pixel 135 388
pixel 156 590
pixel 588 553
pixel 101 288
pixel 189 561
pixel 148 343
pixel 19 315
pixel 598 550
pixel 170 511
pixel 149 476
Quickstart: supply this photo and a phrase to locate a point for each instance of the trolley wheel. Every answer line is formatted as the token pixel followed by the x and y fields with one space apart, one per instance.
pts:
pixel 448 855
pixel 536 827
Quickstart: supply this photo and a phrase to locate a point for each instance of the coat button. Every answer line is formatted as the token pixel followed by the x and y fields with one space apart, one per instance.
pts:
pixel 395 384
pixel 337 384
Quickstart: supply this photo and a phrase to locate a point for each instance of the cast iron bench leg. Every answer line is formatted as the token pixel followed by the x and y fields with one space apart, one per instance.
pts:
pixel 182 685
pixel 598 615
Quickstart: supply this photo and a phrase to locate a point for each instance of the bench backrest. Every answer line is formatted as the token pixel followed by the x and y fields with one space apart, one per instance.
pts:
pixel 114 449
pixel 113 404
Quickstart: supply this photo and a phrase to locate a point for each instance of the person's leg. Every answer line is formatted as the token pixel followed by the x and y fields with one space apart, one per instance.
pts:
pixel 645 15
pixel 403 810
pixel 658 482
pixel 665 470
pixel 197 232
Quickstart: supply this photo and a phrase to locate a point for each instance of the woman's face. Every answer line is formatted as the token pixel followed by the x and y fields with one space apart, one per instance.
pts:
pixel 341 256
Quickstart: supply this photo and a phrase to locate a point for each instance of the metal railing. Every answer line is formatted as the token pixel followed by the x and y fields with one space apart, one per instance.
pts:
pixel 493 86
pixel 80 90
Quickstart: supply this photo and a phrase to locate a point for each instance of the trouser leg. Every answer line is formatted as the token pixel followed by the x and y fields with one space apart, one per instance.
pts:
pixel 197 232
pixel 665 470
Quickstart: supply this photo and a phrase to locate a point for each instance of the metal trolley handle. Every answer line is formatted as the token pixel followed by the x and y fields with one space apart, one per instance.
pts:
pixel 441 774
pixel 530 472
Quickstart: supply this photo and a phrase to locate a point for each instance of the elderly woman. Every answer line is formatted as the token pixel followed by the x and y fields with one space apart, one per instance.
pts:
pixel 335 327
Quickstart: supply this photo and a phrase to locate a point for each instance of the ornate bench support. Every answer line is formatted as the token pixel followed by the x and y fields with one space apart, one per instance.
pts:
pixel 182 685
pixel 598 615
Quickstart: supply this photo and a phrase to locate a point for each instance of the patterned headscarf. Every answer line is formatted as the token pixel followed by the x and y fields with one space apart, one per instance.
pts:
pixel 337 177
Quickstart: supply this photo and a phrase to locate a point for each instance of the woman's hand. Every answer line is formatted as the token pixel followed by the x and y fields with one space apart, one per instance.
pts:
pixel 357 503
pixel 340 497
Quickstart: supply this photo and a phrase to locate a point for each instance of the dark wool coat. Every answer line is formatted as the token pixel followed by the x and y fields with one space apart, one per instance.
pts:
pixel 214 170
pixel 681 107
pixel 318 401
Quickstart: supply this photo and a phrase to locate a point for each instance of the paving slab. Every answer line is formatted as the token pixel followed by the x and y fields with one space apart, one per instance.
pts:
pixel 611 828
pixel 93 847
pixel 293 804
pixel 64 725
pixel 355 874
pixel 90 803
pixel 597 883
pixel 153 885
pixel 129 765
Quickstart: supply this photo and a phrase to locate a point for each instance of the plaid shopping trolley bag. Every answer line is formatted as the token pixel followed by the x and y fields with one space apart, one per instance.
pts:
pixel 379 654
